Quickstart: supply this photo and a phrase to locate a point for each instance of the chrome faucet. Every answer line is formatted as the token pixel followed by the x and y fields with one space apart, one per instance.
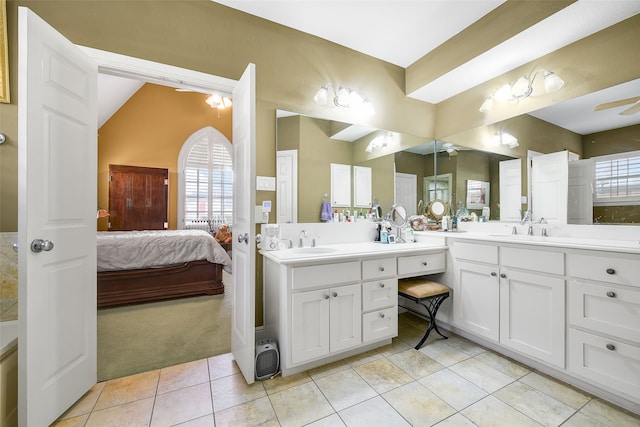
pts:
pixel 528 217
pixel 303 235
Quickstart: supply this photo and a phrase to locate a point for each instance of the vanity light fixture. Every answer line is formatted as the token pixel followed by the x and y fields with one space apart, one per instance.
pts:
pixel 219 102
pixel 522 88
pixel 380 141
pixel 344 97
pixel 505 138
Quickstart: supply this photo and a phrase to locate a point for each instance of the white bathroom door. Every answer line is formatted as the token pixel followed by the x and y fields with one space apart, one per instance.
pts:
pixel 550 186
pixel 57 145
pixel 510 190
pixel 287 185
pixel 406 192
pixel 580 195
pixel 244 224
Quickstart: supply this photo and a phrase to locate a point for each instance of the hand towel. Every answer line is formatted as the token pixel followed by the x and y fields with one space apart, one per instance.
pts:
pixel 325 212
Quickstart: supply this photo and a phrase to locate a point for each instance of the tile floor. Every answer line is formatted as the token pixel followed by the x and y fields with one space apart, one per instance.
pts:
pixel 450 382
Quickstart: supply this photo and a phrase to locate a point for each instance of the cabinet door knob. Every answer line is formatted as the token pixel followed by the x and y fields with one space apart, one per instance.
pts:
pixel 382 285
pixel 611 294
pixel 504 276
pixel 611 347
pixel 382 315
pixel 381 268
pixel 334 294
pixel 326 297
pixel 493 273
pixel 611 271
pixel 424 263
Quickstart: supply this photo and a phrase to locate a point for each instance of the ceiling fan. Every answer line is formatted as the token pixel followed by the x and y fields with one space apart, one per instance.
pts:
pixel 635 108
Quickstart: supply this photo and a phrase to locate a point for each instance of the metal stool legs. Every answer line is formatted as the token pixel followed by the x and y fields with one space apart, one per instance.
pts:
pixel 432 304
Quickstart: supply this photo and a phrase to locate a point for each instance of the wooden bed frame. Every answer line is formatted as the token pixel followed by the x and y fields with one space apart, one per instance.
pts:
pixel 116 288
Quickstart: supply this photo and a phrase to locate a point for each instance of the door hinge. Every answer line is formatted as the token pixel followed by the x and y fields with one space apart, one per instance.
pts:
pixel 110 179
pixel 166 225
pixel 166 181
pixel 109 225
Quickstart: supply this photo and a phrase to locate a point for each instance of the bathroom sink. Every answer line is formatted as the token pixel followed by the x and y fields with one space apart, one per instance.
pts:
pixel 312 251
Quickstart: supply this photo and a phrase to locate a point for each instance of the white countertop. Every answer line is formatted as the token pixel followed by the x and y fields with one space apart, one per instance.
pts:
pixel 349 250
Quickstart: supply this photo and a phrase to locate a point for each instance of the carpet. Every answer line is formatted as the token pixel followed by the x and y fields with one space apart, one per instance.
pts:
pixel 145 337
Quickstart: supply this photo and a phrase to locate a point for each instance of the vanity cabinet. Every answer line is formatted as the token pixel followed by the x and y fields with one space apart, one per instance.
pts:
pixel 604 319
pixel 507 295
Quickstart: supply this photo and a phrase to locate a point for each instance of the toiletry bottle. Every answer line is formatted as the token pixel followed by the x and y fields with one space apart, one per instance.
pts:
pixel 336 216
pixel 454 223
pixel 378 230
pixel 384 235
pixel 445 223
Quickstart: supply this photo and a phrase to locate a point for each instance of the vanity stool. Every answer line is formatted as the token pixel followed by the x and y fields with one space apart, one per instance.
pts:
pixel 428 294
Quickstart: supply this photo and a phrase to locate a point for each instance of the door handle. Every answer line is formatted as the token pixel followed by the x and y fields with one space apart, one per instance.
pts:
pixel 39 245
pixel 243 238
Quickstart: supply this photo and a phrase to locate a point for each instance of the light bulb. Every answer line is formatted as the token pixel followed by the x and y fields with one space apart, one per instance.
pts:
pixel 321 95
pixel 552 82
pixel 503 94
pixel 487 105
pixel 521 88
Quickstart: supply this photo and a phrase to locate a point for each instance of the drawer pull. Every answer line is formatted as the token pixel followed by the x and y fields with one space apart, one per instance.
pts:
pixel 381 268
pixel 424 263
pixel 611 294
pixel 334 294
pixel 504 276
pixel 611 271
pixel 326 297
pixel 611 347
pixel 382 285
pixel 493 273
pixel 382 315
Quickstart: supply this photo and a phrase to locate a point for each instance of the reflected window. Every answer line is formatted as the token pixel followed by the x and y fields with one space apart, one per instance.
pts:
pixel 437 188
pixel 617 179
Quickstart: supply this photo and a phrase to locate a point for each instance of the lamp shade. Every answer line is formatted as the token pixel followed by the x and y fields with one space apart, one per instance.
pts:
pixel 321 95
pixel 552 82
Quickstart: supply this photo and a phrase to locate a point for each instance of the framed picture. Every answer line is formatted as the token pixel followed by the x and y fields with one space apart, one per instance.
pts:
pixel 4 54
pixel 477 194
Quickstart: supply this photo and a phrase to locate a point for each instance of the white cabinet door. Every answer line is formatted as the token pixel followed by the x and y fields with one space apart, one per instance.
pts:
pixel 477 298
pixel 532 311
pixel 309 325
pixel 362 193
pixel 345 317
pixel 340 185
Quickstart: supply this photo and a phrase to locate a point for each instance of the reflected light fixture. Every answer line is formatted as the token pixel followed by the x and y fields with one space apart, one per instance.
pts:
pixel 505 138
pixel 344 97
pixel 521 89
pixel 380 141
pixel 219 102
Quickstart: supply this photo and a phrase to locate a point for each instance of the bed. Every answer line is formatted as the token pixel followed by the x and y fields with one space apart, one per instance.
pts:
pixel 143 266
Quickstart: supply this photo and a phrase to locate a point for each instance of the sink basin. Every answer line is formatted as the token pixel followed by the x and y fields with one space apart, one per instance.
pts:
pixel 312 251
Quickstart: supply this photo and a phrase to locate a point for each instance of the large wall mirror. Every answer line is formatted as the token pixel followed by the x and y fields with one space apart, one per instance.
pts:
pixel 422 170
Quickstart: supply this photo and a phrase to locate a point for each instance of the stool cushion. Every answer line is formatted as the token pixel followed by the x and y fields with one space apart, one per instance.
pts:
pixel 419 287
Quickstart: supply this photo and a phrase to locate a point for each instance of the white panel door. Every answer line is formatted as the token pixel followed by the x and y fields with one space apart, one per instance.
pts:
pixel 287 184
pixel 244 225
pixel 345 317
pixel 309 325
pixel 340 185
pixel 406 192
pixel 580 194
pixel 57 149
pixel 477 299
pixel 510 190
pixel 549 187
pixel 362 193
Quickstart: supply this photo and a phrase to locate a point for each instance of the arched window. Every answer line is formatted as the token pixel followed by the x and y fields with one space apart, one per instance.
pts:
pixel 205 179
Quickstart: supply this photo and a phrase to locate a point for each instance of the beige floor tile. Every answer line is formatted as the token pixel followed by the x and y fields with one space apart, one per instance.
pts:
pixel 78 421
pixel 222 366
pixel 182 405
pixel 362 358
pixel 373 412
pixel 409 318
pixel 557 389
pixel 206 421
pixel 183 375
pixel 609 414
pixel 383 375
pixel 282 383
pixel 418 405
pixel 411 335
pixel 128 389
pixel 130 414
pixel 536 405
pixel 416 364
pixel 234 390
pixel 482 375
pixel 86 403
pixel 582 420
pixel 345 388
pixel 492 412
pixel 453 389
pixel 332 420
pixel 255 413
pixel 443 353
pixel 328 369
pixel 300 405
pixel 456 420
pixel 465 346
pixel 503 364
pixel 396 346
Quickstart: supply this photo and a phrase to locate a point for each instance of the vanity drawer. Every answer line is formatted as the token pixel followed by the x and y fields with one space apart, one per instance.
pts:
pixel 380 324
pixel 326 274
pixel 378 268
pixel 379 294
pixel 608 309
pixel 421 264
pixel 535 260
pixel 475 252
pixel 612 364
pixel 605 267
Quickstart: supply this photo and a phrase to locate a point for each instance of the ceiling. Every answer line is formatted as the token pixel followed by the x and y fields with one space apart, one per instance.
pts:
pixel 402 32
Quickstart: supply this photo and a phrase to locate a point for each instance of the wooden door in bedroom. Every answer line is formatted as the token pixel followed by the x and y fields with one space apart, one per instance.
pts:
pixel 138 198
